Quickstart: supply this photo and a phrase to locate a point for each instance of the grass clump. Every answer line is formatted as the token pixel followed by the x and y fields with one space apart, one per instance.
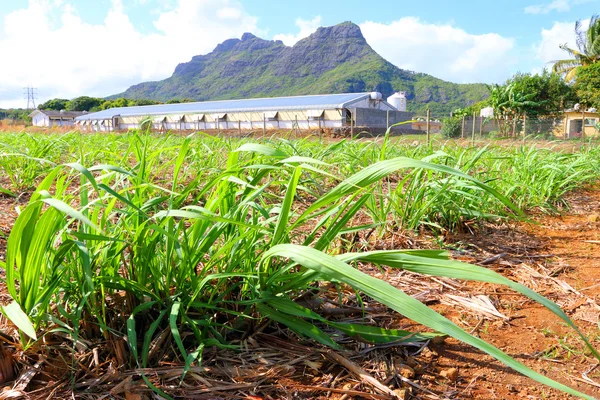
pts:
pixel 203 240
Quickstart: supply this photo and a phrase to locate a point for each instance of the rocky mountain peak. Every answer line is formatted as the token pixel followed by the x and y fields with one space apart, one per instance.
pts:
pixel 247 36
pixel 345 30
pixel 334 59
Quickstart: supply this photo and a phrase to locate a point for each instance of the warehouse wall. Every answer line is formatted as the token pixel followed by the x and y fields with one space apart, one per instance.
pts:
pixel 232 121
pixel 379 118
pixel 365 117
pixel 40 120
pixel 372 104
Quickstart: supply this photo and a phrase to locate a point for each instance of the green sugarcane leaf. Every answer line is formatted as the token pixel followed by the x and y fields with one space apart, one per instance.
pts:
pixel 375 334
pixel 459 270
pixel 70 211
pixel 261 149
pixel 16 315
pixel 297 325
pixel 399 301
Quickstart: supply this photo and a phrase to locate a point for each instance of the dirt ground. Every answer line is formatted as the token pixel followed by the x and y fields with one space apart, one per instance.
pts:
pixel 556 256
pixel 559 258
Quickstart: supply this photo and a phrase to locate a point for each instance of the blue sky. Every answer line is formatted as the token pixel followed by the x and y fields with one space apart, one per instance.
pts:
pixel 67 48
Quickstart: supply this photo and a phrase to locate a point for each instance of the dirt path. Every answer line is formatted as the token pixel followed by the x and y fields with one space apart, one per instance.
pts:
pixel 554 256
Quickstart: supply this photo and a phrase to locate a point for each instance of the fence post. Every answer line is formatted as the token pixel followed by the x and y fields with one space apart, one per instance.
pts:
pixel 387 120
pixel 320 129
pixel 514 131
pixel 264 124
pixel 480 126
pixel 218 125
pixel 462 131
pixel 428 130
pixel 473 130
pixel 583 125
pixel 524 126
pixel 240 126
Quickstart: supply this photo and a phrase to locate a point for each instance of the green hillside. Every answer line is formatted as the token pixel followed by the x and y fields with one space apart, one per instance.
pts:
pixel 334 59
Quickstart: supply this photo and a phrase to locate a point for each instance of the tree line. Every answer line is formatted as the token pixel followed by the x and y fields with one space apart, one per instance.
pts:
pixel 93 104
pixel 573 81
pixel 82 103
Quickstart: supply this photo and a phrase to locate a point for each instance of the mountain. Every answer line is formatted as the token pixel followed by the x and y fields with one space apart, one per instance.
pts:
pixel 334 59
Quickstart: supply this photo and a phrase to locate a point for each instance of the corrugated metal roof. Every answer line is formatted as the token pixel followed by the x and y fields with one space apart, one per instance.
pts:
pixel 63 114
pixel 324 101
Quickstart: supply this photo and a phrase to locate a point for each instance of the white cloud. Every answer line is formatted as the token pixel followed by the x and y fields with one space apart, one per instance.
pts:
pixel 443 51
pixel 306 28
pixel 229 13
pixel 548 49
pixel 556 5
pixel 65 56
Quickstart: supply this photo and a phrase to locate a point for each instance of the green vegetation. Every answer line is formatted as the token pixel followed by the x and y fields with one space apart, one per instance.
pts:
pixel 534 95
pixel 543 97
pixel 56 104
pixel 587 85
pixel 205 239
pixel 452 126
pixel 15 114
pixel 587 52
pixel 332 60
pixel 86 103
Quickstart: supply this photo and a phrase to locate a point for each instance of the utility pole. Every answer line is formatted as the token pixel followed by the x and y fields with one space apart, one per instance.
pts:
pixel 30 93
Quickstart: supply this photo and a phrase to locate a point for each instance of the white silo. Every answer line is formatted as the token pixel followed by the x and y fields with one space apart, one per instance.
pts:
pixel 398 100
pixel 376 96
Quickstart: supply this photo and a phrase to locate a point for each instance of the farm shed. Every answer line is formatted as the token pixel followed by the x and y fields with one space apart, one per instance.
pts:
pixel 49 118
pixel 572 123
pixel 301 112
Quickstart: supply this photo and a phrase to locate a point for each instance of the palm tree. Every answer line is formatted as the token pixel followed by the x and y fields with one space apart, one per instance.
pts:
pixel 510 104
pixel 587 52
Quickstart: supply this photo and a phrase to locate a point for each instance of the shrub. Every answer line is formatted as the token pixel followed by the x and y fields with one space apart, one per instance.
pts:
pixel 452 127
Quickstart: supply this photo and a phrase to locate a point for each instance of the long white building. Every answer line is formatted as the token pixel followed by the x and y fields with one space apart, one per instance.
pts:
pixel 301 112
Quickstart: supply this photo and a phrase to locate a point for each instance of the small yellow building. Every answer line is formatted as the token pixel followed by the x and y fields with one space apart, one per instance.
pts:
pixel 572 126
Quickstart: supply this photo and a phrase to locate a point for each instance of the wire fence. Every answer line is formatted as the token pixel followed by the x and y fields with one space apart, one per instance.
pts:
pixel 564 127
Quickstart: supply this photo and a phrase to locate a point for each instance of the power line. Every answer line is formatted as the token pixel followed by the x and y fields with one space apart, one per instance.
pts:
pixel 31 94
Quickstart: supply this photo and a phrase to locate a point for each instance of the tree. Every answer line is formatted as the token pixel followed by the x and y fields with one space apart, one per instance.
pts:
pixel 16 114
pixel 143 102
pixel 120 102
pixel 178 101
pixel 473 108
pixel 587 52
pixel 84 103
pixel 537 96
pixel 587 85
pixel 54 104
pixel 551 94
pixel 510 103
